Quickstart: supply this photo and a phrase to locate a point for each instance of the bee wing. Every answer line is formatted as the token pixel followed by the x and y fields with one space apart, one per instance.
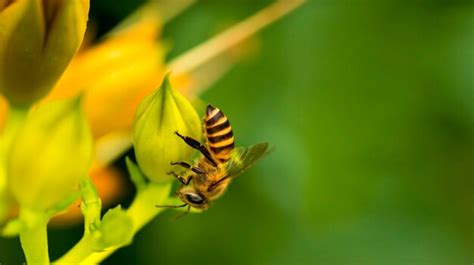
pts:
pixel 244 157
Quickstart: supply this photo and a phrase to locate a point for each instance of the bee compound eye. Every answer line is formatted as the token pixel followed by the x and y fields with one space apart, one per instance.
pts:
pixel 194 198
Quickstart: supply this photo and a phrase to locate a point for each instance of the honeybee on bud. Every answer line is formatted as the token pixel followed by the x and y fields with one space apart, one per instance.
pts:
pixel 220 161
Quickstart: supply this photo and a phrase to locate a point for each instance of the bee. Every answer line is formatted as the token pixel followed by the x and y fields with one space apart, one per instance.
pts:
pixel 219 162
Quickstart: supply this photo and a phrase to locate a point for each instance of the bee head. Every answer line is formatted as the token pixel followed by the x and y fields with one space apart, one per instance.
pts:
pixel 193 198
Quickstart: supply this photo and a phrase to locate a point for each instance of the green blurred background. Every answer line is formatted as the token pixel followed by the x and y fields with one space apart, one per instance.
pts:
pixel 370 105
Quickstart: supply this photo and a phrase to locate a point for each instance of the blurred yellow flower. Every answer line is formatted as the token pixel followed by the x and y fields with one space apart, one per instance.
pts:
pixel 115 75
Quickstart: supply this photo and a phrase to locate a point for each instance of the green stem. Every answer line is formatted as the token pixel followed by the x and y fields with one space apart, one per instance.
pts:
pixel 79 252
pixel 91 206
pixel 34 238
pixel 142 211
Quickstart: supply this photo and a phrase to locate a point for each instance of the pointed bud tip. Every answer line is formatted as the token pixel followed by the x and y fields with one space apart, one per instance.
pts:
pixel 165 86
pixel 166 80
pixel 78 99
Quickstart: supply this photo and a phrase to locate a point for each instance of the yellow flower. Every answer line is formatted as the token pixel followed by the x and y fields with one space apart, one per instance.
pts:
pixel 39 38
pixel 116 74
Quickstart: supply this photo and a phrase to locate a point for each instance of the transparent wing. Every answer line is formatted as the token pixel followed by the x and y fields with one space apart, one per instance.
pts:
pixel 242 158
pixel 245 157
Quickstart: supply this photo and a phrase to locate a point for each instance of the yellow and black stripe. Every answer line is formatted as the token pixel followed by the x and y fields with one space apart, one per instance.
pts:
pixel 220 138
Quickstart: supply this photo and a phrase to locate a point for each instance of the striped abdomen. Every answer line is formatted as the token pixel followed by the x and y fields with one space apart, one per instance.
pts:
pixel 219 136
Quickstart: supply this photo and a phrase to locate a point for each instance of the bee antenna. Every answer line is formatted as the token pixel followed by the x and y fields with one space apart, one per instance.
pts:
pixel 171 206
pixel 182 214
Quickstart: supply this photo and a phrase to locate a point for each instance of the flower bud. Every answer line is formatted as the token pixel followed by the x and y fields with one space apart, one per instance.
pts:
pixel 50 155
pixel 157 119
pixel 38 39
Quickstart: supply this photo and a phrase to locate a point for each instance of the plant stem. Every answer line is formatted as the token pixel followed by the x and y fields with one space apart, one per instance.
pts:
pixel 34 238
pixel 142 211
pixel 204 52
pixel 80 251
pixel 170 9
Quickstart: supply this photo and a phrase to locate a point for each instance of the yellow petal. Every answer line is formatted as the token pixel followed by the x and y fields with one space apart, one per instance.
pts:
pixel 116 74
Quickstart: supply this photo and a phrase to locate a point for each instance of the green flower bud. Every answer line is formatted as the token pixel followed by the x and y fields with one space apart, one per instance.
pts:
pixel 158 117
pixel 50 155
pixel 38 39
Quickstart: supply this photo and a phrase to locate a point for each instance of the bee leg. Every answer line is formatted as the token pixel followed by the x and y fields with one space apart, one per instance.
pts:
pixel 216 184
pixel 181 178
pixel 184 180
pixel 183 164
pixel 197 170
pixel 198 146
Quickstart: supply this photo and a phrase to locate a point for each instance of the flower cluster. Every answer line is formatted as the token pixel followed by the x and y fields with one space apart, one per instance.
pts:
pixel 68 109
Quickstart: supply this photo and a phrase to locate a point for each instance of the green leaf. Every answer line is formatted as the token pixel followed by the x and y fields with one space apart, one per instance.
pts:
pixel 13 228
pixel 91 206
pixel 116 229
pixel 136 175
